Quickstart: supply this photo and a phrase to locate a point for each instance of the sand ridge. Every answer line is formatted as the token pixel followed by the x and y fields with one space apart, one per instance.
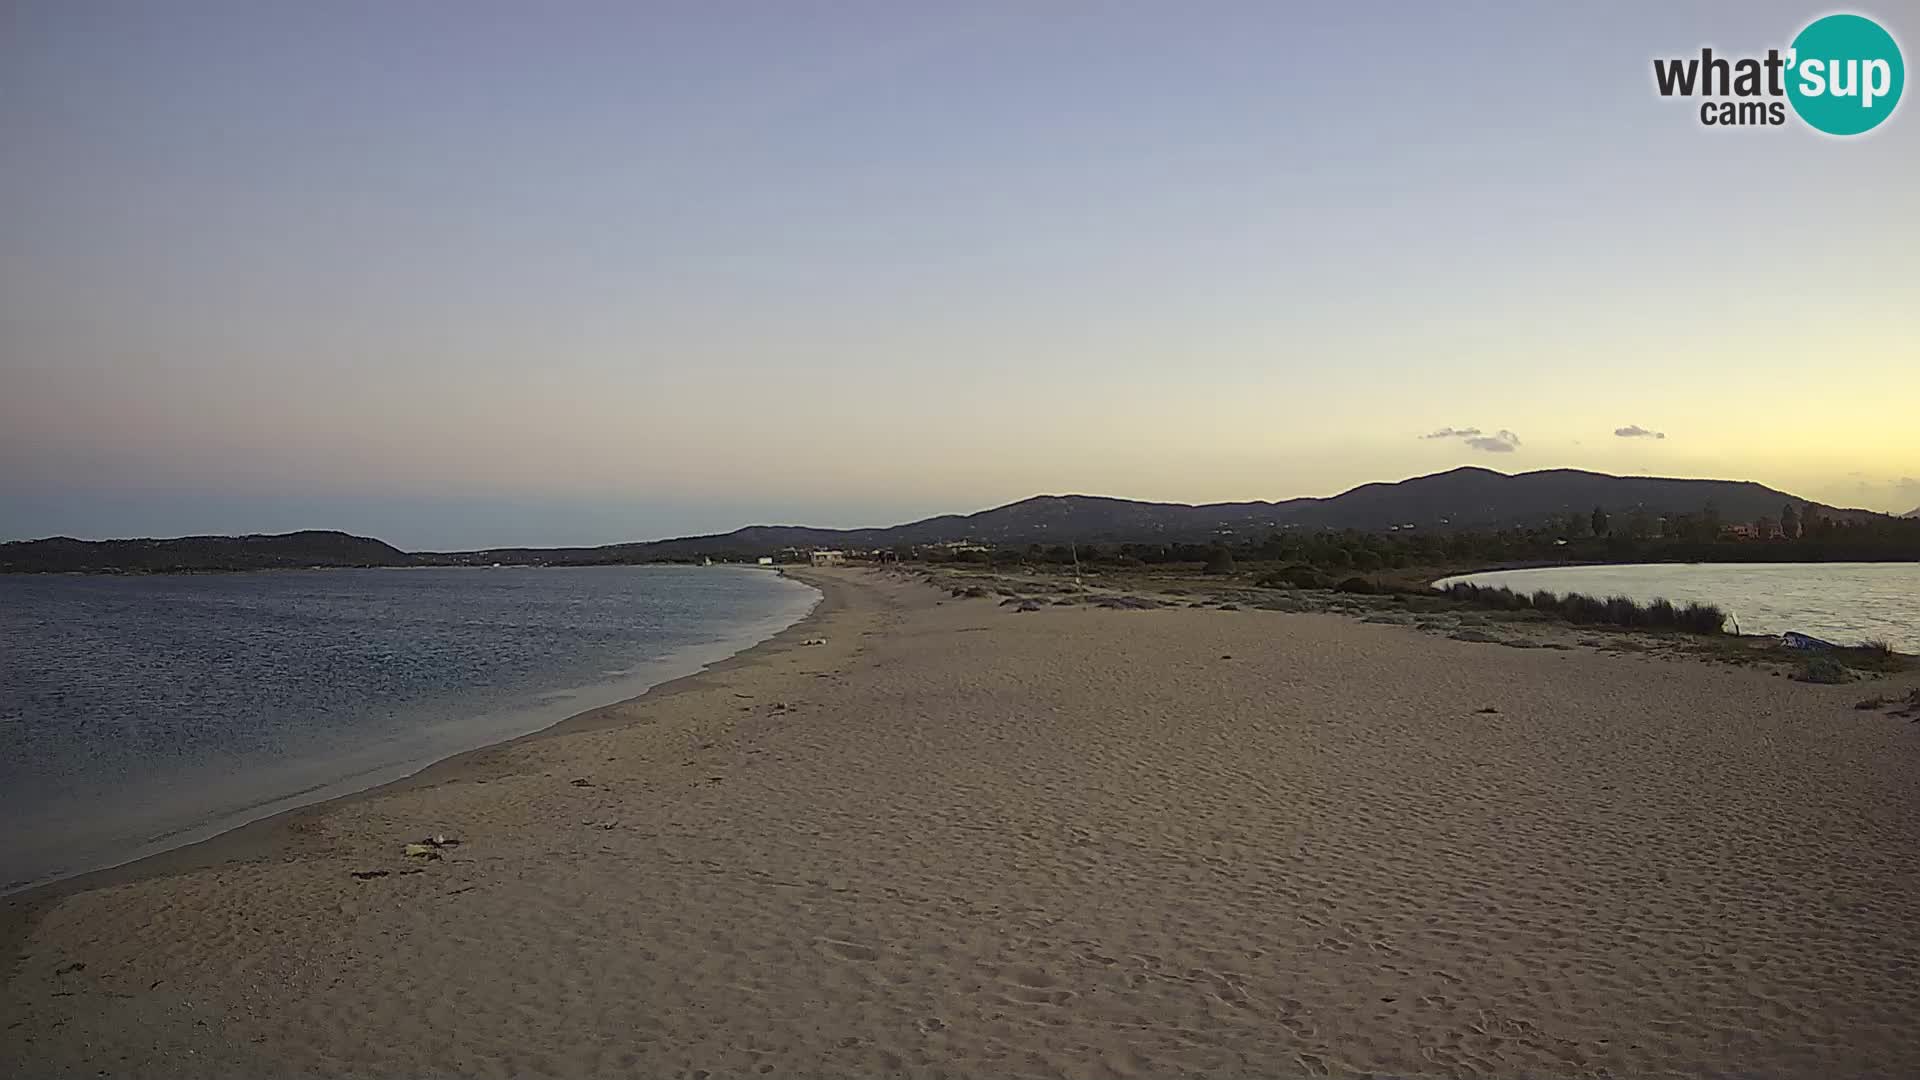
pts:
pixel 960 840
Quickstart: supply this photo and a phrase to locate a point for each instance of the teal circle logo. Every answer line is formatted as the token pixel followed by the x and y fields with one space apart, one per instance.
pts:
pixel 1845 74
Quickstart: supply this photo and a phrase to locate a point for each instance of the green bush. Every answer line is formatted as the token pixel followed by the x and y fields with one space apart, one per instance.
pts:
pixel 1699 618
pixel 1294 576
pixel 1821 668
pixel 1587 610
pixel 1219 561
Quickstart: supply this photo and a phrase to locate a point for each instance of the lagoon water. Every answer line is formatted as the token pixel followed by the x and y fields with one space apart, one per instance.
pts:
pixel 143 713
pixel 1843 602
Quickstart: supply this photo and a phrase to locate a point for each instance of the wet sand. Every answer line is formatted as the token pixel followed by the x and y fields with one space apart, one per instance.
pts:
pixel 962 840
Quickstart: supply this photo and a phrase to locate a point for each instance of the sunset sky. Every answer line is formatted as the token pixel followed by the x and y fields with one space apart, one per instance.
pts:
pixel 461 274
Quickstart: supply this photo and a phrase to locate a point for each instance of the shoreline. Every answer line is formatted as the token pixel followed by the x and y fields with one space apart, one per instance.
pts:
pixel 971 833
pixel 264 838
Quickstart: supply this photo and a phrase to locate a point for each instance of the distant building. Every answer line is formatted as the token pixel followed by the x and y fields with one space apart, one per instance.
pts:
pixel 826 557
pixel 765 560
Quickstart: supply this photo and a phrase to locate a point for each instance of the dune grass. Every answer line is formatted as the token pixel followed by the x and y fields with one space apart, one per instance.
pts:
pixel 1693 618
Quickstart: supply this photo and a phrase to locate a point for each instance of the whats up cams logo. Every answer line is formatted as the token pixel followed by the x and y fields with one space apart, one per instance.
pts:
pixel 1842 75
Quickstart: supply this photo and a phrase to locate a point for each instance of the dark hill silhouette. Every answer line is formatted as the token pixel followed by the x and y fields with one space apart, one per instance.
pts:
pixel 63 554
pixel 1457 499
pixel 1464 498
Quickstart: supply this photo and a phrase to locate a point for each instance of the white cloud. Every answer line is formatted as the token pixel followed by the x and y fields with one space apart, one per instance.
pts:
pixel 1500 442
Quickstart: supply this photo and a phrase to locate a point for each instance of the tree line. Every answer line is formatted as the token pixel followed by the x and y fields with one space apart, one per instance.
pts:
pixel 1797 534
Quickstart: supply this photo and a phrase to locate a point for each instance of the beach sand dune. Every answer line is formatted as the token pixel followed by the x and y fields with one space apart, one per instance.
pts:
pixel 958 840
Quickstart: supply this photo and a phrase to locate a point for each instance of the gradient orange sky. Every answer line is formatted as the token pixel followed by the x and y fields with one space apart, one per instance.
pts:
pixel 482 274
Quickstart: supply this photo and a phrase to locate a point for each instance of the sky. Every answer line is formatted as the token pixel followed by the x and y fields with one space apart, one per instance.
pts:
pixel 476 274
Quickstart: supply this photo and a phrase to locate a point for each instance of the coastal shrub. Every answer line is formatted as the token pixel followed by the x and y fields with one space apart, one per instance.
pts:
pixel 1356 585
pixel 1698 618
pixel 1877 647
pixel 1582 609
pixel 1622 611
pixel 1296 575
pixel 1219 561
pixel 1821 668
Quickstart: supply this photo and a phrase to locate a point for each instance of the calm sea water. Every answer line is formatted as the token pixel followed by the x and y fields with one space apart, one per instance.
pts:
pixel 1843 602
pixel 142 713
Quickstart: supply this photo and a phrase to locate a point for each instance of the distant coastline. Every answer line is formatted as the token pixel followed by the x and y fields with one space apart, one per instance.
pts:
pixel 1595 517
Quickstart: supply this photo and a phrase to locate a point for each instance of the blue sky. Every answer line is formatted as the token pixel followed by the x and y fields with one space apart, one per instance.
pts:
pixel 476 274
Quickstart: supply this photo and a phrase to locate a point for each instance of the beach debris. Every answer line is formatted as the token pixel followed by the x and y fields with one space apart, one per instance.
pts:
pixel 369 875
pixel 1229 607
pixel 1226 656
pixel 1480 636
pixel 422 851
pixel 1794 639
pixel 1127 603
pixel 1905 708
pixel 580 781
pixel 1029 605
pixel 76 966
pixel 815 641
pixel 976 592
pixel 1486 709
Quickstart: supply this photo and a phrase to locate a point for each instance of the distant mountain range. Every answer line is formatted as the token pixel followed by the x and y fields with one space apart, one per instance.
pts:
pixel 1457 499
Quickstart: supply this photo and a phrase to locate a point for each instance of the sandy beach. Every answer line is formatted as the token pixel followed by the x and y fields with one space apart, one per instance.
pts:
pixel 959 839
